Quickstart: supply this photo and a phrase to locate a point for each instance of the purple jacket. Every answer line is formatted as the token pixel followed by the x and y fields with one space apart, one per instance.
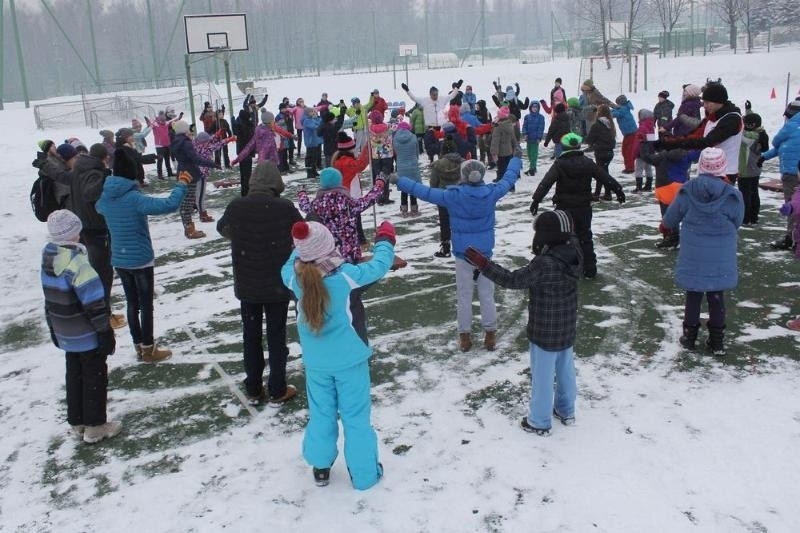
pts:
pixel 263 142
pixel 680 126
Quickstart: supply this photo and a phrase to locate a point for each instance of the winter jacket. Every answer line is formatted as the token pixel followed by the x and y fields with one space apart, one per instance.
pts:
pixel 160 133
pixel 125 209
pixel 575 120
pixel 350 167
pixel 625 120
pixel 339 212
pixel 708 211
pixel 406 149
pixel 310 136
pixel 221 125
pixel 504 142
pixel 259 227
pixel 595 98
pixel 74 298
pixel 557 96
pixel 432 144
pixel 754 143
pixel 140 139
pixel 359 115
pixel 377 104
pixel 328 131
pixel 87 185
pixel 434 111
pixel 786 145
pixel 601 137
pixel 471 207
pixel 244 126
pixel 687 120
pixel 380 141
pixel 559 127
pixel 646 127
pixel 446 171
pixel 208 118
pixel 533 126
pixel 552 282
pixel 298 114
pixel 467 147
pixel 471 99
pixel 418 121
pixel 515 106
pixel 663 112
pixel 337 346
pixel 572 174
pixel 206 151
pixel 264 142
pixel 54 168
pixel 182 149
pixel 671 169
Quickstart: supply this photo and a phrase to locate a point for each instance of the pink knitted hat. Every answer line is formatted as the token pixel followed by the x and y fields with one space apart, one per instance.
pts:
pixel 713 162
pixel 403 125
pixel 312 241
pixel 502 113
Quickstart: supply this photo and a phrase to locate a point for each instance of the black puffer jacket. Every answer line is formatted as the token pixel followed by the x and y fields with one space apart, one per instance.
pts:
pixel 259 227
pixel 559 127
pixel 600 137
pixel 572 174
pixel 87 185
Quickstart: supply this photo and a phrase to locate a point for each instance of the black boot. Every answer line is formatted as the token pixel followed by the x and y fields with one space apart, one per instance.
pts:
pixel 638 185
pixel 783 244
pixel 384 199
pixel 444 250
pixel 669 241
pixel 689 337
pixel 648 184
pixel 715 339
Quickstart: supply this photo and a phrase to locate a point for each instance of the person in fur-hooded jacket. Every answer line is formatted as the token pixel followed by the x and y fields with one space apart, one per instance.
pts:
pixel 688 117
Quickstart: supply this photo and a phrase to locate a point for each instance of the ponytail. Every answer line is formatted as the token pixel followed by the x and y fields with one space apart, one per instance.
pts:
pixel 315 295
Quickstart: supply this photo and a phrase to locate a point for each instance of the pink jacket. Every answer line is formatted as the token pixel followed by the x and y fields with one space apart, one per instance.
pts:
pixel 299 114
pixel 161 132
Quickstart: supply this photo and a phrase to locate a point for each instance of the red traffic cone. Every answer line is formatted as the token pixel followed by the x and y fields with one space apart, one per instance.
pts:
pixel 772 95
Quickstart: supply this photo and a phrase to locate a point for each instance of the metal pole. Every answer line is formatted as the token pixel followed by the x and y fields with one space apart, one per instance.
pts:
pixel 2 67
pixel 374 42
pixel 189 86
pixel 691 24
pixel 394 72
pixel 788 79
pixel 645 65
pixel 214 57
pixel 22 76
pixel 552 39
pixel 228 81
pixel 427 37
pixel 316 43
pixel 483 30
pixel 406 56
pixel 94 46
pixel 152 43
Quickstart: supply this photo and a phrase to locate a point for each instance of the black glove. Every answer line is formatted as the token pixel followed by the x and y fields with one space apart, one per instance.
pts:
pixel 534 207
pixel 458 84
pixel 475 258
pixel 404 87
pixel 759 161
pixel 621 196
pixel 180 116
pixel 357 111
pixel 516 86
pixel 496 85
pixel 657 145
pixel 747 105
pixel 107 344
pixel 546 143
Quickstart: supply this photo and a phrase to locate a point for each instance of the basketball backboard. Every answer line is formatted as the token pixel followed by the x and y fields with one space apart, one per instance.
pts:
pixel 212 33
pixel 407 49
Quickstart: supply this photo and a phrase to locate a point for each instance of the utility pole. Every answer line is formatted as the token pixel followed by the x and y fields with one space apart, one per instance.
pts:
pixel 374 42
pixel 691 24
pixel 427 38
pixel 152 42
pixel 94 46
pixel 483 30
pixel 1 54
pixel 21 62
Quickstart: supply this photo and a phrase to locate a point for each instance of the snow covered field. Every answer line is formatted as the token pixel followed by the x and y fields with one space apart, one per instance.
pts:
pixel 666 440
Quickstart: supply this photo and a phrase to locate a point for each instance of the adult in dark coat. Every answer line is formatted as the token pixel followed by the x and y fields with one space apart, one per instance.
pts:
pixel 259 228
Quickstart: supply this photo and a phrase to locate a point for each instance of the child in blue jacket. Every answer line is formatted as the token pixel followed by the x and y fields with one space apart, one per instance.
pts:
pixel 334 355
pixel 627 126
pixel 532 133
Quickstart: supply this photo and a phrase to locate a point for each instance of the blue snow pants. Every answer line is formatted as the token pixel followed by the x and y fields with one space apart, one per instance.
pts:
pixel 344 393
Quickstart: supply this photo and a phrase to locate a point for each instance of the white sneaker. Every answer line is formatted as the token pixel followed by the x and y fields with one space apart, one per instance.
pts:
pixel 94 434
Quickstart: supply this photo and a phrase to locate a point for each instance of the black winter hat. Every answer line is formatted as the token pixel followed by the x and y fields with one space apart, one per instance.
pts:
pixel 752 121
pixel 715 92
pixel 792 109
pixel 327 116
pixel 98 151
pixel 124 165
pixel 663 94
pixel 550 228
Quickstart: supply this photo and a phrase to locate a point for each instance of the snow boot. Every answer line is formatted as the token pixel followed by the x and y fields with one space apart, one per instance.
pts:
pixel 783 244
pixel 404 211
pixel 526 426
pixel 444 250
pixel 117 321
pixel 191 233
pixel 689 337
pixel 669 241
pixel 565 420
pixel 78 431
pixel 638 186
pixel 138 348
pixel 414 210
pixel 322 476
pixel 205 217
pixel 715 339
pixel 154 354
pixel 93 434
pixel 464 342
pixel 490 340
pixel 277 401
pixel 648 184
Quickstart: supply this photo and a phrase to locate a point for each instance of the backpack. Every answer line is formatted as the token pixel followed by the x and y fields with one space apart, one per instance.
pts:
pixel 43 198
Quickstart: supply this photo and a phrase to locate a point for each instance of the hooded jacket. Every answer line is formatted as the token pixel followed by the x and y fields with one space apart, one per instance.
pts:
pixel 708 211
pixel 786 145
pixel 671 168
pixel 406 148
pixel 504 142
pixel 182 148
pixel 600 137
pixel 86 187
pixel 380 141
pixel 754 143
pixel 259 227
pixel 434 111
pixel 533 125
pixel 559 126
pixel 663 112
pixel 624 116
pixel 446 171
pixel 687 119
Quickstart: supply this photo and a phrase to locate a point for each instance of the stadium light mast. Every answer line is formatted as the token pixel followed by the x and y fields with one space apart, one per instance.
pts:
pixel 20 60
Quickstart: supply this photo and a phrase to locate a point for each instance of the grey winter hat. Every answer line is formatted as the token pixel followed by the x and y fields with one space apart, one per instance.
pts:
pixel 621 99
pixel 63 226
pixel 181 127
pixel 472 172
pixel 267 117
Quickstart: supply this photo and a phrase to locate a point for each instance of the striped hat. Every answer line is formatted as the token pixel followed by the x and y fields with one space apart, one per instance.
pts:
pixel 312 240
pixel 713 162
pixel 345 142
pixel 551 227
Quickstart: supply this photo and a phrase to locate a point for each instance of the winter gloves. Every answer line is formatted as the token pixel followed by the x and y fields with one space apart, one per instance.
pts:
pixel 386 233
pixel 185 178
pixel 534 207
pixel 476 258
pixel 107 344
pixel 457 84
pixel 747 105
pixel 760 161
pixel 621 196
pixel 404 87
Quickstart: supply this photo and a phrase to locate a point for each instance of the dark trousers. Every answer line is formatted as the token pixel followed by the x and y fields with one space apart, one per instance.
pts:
pixel 383 166
pixel 358 313
pixel 716 308
pixel 362 239
pixel 404 196
pixel 138 286
pixel 444 224
pixel 253 346
pixel 502 165
pixel 420 143
pixel 283 158
pixel 87 385
pixel 603 159
pixel 223 154
pixel 245 171
pixel 752 201
pixel 162 157
pixel 98 248
pixel 313 160
pixel 582 218
pixel 300 141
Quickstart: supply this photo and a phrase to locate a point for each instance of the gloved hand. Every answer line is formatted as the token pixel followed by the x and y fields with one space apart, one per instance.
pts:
pixel 621 196
pixel 516 86
pixel 760 161
pixel 180 116
pixel 386 233
pixel 147 121
pixel 393 178
pixel 546 143
pixel 404 87
pixel 542 101
pixel 185 178
pixel 786 209
pixel 747 105
pixel 476 258
pixel 657 145
pixel 496 85
pixel 107 344
pixel 458 84
pixel 663 230
pixel 534 207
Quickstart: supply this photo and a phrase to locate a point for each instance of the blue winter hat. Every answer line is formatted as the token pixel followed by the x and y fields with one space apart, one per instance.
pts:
pixel 330 178
pixel 448 127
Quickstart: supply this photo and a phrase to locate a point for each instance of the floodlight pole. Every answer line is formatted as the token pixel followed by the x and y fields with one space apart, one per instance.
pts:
pixel 94 45
pixel 189 85
pixel 483 31
pixel 228 81
pixel 152 43
pixel 1 55
pixel 21 62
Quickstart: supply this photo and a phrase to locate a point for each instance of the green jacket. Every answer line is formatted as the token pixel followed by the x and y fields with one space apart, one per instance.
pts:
pixel 418 121
pixel 360 117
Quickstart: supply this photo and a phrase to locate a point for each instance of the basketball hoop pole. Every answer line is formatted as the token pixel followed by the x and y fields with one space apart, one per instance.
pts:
pixel 228 82
pixel 189 86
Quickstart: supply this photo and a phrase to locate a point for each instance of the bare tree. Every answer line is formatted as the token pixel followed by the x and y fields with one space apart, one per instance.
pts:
pixel 730 11
pixel 596 13
pixel 669 11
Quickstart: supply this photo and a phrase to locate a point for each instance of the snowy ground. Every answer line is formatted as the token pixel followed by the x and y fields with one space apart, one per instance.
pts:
pixel 666 440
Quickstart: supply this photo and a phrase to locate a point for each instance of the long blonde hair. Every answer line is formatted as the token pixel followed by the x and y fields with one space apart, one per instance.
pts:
pixel 604 111
pixel 315 295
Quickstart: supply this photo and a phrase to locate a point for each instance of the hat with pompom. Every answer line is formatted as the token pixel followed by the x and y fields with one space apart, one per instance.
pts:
pixel 472 172
pixel 403 125
pixel 712 162
pixel 376 117
pixel 312 240
pixel 571 141
pixel 344 141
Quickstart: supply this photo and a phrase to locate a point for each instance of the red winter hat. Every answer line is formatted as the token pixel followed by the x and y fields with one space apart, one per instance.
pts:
pixel 376 117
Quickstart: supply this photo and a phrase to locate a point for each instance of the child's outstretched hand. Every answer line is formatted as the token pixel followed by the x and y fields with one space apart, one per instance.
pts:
pixel 386 232
pixel 475 258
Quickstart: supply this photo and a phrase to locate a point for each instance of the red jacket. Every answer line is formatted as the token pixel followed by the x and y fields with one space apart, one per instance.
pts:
pixel 349 166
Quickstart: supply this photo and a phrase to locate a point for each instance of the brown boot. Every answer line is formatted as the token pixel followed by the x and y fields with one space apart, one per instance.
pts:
pixel 489 340
pixel 191 232
pixel 154 354
pixel 138 348
pixel 464 342
pixel 205 217
pixel 117 321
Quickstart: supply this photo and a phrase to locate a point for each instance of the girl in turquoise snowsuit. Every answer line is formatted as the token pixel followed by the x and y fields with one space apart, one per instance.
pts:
pixel 334 356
